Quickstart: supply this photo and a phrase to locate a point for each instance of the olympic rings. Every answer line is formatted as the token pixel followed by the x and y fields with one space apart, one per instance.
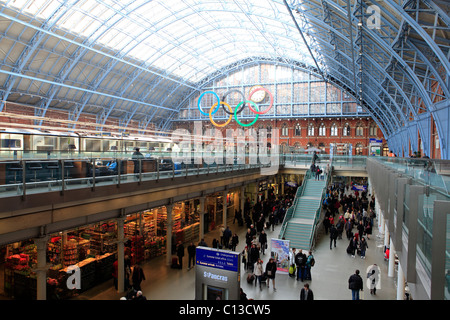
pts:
pixel 228 92
pixel 238 109
pixel 254 120
pixel 200 98
pixel 210 115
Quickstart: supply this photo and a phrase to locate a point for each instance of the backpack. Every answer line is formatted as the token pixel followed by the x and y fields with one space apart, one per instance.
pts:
pixel 312 262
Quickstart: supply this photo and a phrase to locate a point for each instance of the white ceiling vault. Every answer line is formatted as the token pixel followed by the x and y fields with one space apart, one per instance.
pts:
pixel 140 60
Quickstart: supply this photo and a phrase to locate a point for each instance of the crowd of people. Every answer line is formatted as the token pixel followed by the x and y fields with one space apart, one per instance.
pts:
pixel 261 217
pixel 352 212
pixel 346 211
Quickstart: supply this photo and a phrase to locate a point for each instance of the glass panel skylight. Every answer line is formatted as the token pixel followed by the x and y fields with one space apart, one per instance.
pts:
pixel 183 38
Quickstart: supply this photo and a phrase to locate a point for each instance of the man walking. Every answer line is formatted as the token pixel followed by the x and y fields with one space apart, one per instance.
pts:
pixel 355 283
pixel 333 236
pixel 191 255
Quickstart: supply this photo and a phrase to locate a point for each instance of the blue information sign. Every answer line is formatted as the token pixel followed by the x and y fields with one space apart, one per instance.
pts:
pixel 215 258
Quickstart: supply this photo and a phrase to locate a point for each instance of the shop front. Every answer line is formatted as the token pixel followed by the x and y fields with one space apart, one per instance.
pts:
pixel 92 251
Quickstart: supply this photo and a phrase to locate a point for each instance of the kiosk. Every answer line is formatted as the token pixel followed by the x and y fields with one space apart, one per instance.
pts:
pixel 217 274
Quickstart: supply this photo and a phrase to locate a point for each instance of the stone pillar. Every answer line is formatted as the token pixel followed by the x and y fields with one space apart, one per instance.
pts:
pixel 169 208
pixel 41 270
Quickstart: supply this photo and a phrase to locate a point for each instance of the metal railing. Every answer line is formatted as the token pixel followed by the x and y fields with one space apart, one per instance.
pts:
pixel 24 177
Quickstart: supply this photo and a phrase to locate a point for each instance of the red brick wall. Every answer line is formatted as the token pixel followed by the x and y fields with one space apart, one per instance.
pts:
pixel 316 140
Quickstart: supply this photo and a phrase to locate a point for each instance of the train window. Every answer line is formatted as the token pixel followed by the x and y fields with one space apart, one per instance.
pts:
pixel 11 143
pixel 93 145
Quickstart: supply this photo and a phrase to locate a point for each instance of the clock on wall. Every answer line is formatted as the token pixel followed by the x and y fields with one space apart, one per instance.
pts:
pixel 257 95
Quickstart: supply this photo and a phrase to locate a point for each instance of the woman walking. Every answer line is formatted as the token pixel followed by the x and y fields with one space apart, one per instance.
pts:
pixel 271 268
pixel 259 271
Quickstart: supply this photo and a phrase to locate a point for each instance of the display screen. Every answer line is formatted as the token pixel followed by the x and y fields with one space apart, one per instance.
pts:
pixel 218 259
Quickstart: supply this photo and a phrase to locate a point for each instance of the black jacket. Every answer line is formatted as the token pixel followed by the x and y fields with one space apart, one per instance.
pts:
pixel 263 238
pixel 191 250
pixel 333 232
pixel 180 250
pixel 303 295
pixel 355 282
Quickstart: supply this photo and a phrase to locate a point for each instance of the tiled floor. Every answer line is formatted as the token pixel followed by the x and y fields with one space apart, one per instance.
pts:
pixel 329 275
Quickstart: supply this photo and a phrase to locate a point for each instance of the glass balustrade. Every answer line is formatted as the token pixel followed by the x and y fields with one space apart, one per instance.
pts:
pixel 32 171
pixel 43 173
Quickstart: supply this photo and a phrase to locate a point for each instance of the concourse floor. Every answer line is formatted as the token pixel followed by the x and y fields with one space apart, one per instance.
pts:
pixel 329 275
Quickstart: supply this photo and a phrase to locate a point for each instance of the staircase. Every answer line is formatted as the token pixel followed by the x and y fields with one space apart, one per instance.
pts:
pixel 299 228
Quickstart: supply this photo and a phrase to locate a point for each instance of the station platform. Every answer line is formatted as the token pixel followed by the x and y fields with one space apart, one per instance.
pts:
pixel 329 275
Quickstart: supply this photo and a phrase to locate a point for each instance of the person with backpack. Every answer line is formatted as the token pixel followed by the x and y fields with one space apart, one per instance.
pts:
pixel 310 262
pixel 300 261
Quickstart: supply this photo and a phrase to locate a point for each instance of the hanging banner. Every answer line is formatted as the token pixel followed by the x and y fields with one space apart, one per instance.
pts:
pixel 291 184
pixel 280 253
pixel 359 187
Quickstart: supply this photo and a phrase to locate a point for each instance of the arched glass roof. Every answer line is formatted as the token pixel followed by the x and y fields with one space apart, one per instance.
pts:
pixel 141 61
pixel 186 39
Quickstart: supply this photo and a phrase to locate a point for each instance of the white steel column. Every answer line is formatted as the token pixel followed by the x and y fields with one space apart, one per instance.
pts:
pixel 391 259
pixel 120 255
pixel 386 236
pixel 201 214
pixel 169 222
pixel 400 283
pixel 242 199
pixel 41 270
pixel 225 209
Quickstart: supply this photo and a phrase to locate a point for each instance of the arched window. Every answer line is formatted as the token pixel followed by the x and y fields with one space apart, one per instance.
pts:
pixel 310 129
pixel 269 131
pixel 359 130
pixel 373 130
pixel 298 130
pixel 284 130
pixel 322 130
pixel 334 130
pixel 346 130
